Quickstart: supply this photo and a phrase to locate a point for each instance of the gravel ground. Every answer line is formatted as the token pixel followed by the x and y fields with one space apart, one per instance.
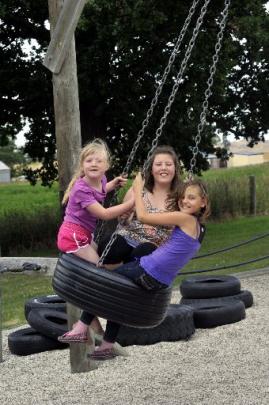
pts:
pixel 226 365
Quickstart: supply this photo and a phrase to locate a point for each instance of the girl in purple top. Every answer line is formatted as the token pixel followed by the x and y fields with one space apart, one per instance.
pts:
pixel 84 197
pixel 159 269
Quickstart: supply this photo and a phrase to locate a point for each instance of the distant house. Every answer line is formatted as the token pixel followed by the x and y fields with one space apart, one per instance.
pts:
pixel 215 162
pixel 243 155
pixel 4 173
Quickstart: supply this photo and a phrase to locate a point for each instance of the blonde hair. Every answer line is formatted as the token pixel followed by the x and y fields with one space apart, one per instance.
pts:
pixel 95 146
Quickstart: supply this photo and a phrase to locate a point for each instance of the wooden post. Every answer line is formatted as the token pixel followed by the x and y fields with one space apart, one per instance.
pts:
pixel 252 195
pixel 62 34
pixel 79 360
pixel 68 142
pixel 66 108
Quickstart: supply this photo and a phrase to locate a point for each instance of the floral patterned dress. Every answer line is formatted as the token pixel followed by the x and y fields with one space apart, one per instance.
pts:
pixel 135 232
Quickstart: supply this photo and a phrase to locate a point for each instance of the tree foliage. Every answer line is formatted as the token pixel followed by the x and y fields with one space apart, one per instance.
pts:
pixel 13 157
pixel 122 49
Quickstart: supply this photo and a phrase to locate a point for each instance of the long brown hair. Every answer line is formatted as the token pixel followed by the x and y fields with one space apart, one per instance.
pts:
pixel 97 145
pixel 149 179
pixel 205 211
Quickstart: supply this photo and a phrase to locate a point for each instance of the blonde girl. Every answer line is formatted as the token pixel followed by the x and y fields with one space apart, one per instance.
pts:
pixel 84 197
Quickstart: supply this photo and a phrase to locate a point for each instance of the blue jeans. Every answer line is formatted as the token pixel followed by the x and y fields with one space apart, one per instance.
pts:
pixel 136 273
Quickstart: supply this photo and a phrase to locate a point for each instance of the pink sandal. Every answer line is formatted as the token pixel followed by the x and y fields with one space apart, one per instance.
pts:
pixel 68 337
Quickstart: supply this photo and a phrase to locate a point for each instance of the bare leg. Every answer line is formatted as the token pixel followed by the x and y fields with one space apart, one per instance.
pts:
pixel 94 245
pixel 104 345
pixel 112 266
pixel 88 253
pixel 96 326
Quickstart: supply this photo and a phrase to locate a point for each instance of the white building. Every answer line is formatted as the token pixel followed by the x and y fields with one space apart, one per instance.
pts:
pixel 4 173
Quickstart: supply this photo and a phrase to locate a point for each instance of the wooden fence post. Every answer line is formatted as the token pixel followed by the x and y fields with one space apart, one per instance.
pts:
pixel 252 195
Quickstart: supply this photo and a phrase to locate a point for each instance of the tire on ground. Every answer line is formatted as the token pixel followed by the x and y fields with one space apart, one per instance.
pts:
pixel 44 302
pixel 177 325
pixel 24 342
pixel 108 294
pixel 48 322
pixel 245 296
pixel 214 315
pixel 209 286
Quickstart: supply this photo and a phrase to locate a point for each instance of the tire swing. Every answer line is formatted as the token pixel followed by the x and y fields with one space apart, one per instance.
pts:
pixel 110 295
pixel 107 294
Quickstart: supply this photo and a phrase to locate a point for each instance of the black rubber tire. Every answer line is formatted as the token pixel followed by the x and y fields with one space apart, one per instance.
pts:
pixel 108 294
pixel 44 302
pixel 209 286
pixel 48 322
pixel 245 296
pixel 178 324
pixel 213 315
pixel 24 342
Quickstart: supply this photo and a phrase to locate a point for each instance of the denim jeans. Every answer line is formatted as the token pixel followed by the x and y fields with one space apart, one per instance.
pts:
pixel 136 273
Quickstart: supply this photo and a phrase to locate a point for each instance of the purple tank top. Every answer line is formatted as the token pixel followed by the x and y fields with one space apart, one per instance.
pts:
pixel 81 196
pixel 166 261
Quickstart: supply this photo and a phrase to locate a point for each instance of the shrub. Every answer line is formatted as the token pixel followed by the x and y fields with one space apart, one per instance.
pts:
pixel 22 230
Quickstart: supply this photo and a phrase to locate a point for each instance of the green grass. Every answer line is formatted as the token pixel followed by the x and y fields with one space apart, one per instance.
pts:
pixel 16 289
pixel 22 197
pixel 261 170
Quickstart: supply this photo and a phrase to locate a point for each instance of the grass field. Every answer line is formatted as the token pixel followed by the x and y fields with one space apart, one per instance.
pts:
pixel 237 172
pixel 22 199
pixel 16 288
pixel 22 196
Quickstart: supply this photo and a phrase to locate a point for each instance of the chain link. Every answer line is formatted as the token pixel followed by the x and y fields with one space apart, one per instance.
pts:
pixel 178 80
pixel 171 99
pixel 145 123
pixel 208 91
pixel 160 86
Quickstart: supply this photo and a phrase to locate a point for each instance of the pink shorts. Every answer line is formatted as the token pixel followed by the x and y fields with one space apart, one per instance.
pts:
pixel 72 237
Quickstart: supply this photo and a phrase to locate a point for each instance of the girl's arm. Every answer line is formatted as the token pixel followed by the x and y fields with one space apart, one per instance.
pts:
pixel 117 182
pixel 166 218
pixel 106 214
pixel 128 216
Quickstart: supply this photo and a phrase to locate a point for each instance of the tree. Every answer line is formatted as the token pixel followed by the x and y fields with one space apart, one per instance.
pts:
pixel 13 157
pixel 122 48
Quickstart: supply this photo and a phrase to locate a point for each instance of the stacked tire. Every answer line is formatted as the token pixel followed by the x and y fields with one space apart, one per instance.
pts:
pixel 178 324
pixel 47 320
pixel 215 300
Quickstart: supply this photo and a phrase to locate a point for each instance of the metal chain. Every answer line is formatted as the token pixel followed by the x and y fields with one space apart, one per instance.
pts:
pixel 150 111
pixel 208 91
pixel 160 86
pixel 178 80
